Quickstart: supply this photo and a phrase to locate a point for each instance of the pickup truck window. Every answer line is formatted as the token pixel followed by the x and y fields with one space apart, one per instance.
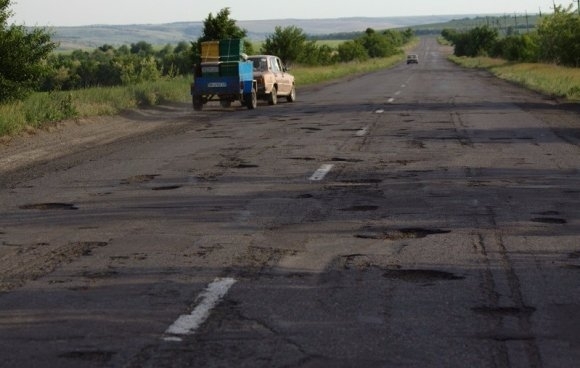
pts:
pixel 260 64
pixel 274 65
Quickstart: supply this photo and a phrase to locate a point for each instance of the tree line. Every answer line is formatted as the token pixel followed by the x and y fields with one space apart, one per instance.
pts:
pixel 556 40
pixel 28 61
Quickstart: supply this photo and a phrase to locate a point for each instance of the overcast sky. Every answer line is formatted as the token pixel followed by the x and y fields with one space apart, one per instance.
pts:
pixel 87 12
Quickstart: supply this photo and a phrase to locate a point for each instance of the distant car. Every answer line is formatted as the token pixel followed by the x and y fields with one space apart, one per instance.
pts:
pixel 273 79
pixel 412 59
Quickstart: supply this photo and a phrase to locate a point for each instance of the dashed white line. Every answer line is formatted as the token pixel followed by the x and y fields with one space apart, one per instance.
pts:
pixel 398 93
pixel 321 173
pixel 391 100
pixel 187 324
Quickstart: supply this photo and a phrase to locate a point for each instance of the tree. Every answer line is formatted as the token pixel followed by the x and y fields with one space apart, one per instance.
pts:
pixel 218 28
pixel 352 51
pixel 221 27
pixel 22 57
pixel 377 45
pixel 286 43
pixel 559 37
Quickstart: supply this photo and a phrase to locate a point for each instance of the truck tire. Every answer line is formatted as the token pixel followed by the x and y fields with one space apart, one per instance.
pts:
pixel 251 100
pixel 197 103
pixel 273 97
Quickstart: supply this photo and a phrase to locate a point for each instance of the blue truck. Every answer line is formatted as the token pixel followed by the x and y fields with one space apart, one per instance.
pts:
pixel 225 82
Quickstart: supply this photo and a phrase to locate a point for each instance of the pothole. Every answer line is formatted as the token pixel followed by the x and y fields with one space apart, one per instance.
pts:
pixel 549 220
pixel 310 129
pixel 503 311
pixel 302 158
pixel 89 356
pixel 167 187
pixel 49 206
pixel 340 159
pixel 399 234
pixel 420 275
pixel 362 181
pixel 138 179
pixel 360 209
pixel 547 213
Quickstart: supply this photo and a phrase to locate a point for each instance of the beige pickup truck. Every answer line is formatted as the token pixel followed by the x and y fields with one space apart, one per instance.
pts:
pixel 273 79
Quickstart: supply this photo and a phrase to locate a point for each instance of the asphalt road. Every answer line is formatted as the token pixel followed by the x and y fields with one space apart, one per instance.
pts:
pixel 421 216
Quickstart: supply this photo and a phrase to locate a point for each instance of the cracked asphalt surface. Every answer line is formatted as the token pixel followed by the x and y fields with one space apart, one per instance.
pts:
pixel 444 230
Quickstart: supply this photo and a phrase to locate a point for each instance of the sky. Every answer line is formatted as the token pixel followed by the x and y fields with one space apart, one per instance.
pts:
pixel 88 12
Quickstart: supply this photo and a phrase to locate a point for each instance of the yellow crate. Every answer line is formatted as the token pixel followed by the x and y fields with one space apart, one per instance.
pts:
pixel 210 51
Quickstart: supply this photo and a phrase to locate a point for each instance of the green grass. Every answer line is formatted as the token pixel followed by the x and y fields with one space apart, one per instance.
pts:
pixel 312 75
pixel 548 79
pixel 41 109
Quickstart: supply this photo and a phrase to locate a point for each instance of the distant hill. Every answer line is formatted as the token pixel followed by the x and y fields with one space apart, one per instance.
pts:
pixel 160 34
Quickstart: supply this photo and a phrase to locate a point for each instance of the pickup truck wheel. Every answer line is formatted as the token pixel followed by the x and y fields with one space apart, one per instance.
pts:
pixel 273 98
pixel 292 96
pixel 197 103
pixel 251 100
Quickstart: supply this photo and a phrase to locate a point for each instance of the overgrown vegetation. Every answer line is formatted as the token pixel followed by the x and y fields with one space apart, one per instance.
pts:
pixel 22 57
pixel 550 79
pixel 556 40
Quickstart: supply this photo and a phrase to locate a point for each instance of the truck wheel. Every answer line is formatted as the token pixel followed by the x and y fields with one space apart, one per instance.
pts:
pixel 273 97
pixel 292 96
pixel 251 100
pixel 197 103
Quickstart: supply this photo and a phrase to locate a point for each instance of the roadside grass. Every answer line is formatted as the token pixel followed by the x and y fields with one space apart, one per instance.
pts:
pixel 42 109
pixel 312 75
pixel 549 79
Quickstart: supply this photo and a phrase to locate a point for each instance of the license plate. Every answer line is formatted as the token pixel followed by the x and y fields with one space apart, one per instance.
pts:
pixel 217 85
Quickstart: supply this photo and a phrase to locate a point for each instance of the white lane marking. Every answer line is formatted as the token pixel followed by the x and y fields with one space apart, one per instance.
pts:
pixel 187 324
pixel 380 111
pixel 321 173
pixel 403 86
pixel 364 131
pixel 398 93
pixel 391 100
